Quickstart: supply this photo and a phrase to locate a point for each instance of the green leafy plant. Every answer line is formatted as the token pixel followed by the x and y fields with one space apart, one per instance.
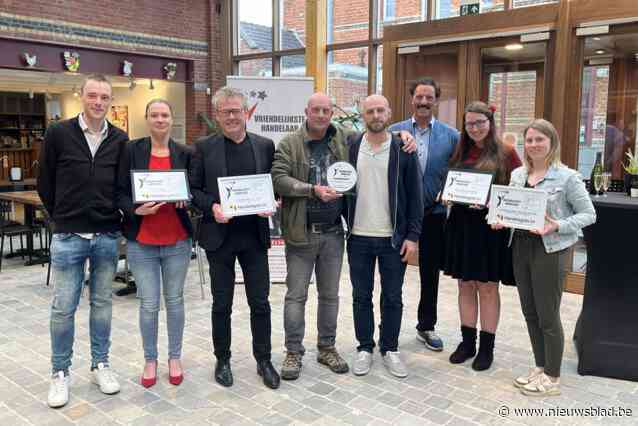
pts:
pixel 351 119
pixel 211 124
pixel 632 164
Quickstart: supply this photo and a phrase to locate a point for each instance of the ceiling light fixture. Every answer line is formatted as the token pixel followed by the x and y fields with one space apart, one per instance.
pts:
pixel 514 46
pixel 600 52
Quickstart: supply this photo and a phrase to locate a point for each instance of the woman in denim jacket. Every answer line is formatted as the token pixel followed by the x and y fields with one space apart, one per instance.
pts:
pixel 540 257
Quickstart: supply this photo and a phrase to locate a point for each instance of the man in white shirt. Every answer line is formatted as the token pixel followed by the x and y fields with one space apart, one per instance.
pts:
pixel 384 222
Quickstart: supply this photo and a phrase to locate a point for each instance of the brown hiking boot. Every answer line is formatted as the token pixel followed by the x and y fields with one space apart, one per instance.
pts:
pixel 330 357
pixel 291 367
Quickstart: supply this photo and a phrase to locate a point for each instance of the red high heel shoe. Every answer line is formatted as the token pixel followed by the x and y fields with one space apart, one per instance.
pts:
pixel 174 380
pixel 148 382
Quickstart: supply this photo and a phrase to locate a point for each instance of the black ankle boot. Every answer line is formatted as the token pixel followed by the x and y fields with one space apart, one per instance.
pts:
pixel 467 348
pixel 485 356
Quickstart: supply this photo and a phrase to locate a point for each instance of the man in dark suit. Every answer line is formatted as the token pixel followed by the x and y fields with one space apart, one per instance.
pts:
pixel 246 238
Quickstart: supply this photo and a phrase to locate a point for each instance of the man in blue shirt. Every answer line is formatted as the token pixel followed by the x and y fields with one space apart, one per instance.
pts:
pixel 435 144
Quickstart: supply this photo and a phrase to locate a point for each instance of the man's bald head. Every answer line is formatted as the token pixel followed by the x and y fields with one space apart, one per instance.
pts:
pixel 375 100
pixel 319 98
pixel 318 114
pixel 376 113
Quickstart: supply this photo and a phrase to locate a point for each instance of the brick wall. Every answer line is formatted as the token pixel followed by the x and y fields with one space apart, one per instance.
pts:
pixel 294 12
pixel 195 20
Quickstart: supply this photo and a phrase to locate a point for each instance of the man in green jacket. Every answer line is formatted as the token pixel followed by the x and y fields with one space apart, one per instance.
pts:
pixel 312 229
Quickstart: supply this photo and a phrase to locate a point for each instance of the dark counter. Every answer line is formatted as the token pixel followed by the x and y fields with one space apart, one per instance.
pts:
pixel 606 335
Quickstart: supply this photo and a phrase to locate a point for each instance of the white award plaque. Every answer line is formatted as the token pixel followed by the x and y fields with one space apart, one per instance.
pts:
pixel 159 185
pixel 246 195
pixel 467 187
pixel 342 176
pixel 516 207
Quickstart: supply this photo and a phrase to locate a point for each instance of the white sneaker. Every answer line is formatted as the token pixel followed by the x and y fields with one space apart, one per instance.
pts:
pixel 362 363
pixel 542 386
pixel 104 377
pixel 394 365
pixel 521 381
pixel 58 390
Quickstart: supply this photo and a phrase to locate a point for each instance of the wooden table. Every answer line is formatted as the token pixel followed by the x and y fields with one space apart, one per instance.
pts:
pixel 26 201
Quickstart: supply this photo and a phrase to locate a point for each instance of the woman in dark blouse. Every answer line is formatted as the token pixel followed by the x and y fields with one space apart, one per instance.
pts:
pixel 475 254
pixel 158 241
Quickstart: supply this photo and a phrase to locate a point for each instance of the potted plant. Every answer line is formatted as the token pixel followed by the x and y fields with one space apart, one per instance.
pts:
pixel 631 174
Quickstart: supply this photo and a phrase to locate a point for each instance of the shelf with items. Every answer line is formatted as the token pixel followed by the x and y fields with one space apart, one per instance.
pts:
pixel 22 119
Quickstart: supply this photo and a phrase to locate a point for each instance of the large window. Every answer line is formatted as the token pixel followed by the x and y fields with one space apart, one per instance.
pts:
pixel 393 12
pixel 270 37
pixel 348 79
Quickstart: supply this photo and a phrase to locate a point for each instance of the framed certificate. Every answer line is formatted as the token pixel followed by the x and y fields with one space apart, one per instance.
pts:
pixel 246 195
pixel 467 186
pixel 160 185
pixel 516 207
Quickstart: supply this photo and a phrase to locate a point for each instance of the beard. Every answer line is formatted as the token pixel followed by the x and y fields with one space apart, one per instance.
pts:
pixel 377 126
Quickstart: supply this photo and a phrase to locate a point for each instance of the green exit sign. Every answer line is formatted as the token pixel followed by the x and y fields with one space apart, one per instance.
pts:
pixel 470 8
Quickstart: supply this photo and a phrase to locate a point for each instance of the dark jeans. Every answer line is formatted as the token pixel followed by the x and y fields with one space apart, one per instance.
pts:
pixel 539 277
pixel 253 260
pixel 431 251
pixel 363 253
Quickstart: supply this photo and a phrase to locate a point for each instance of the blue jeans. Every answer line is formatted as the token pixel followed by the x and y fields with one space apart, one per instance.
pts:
pixel 154 267
pixel 69 253
pixel 363 253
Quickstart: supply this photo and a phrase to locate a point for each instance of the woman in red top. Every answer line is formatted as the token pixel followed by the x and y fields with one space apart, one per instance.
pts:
pixel 475 254
pixel 159 240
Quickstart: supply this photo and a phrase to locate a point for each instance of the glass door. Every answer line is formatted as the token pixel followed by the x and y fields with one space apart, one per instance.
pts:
pixel 609 101
pixel 513 82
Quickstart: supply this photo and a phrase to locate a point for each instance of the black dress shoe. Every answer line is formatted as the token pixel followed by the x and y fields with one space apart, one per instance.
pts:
pixel 223 373
pixel 268 374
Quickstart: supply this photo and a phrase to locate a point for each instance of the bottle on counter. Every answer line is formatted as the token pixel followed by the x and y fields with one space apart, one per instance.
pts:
pixel 596 179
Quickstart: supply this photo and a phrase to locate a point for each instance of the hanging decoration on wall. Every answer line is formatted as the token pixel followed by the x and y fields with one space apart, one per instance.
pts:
pixel 127 68
pixel 29 60
pixel 170 69
pixel 72 61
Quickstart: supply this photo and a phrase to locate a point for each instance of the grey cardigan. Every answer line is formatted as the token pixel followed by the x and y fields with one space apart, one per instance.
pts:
pixel 568 203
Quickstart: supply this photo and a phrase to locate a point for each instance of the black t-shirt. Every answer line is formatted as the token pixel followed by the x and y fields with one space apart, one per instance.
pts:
pixel 240 161
pixel 320 159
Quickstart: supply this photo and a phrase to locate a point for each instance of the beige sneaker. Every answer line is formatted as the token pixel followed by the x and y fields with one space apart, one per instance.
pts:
pixel 521 381
pixel 542 386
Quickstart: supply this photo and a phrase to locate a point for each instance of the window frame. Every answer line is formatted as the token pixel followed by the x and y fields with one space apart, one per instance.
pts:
pixel 373 42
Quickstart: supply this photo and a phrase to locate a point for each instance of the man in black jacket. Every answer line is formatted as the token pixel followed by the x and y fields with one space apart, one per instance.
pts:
pixel 384 223
pixel 78 172
pixel 225 239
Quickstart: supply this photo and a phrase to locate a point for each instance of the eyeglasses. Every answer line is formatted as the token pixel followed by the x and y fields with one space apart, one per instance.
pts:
pixel 476 124
pixel 229 112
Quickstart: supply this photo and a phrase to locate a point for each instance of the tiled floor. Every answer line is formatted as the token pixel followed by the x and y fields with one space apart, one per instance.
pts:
pixel 436 392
